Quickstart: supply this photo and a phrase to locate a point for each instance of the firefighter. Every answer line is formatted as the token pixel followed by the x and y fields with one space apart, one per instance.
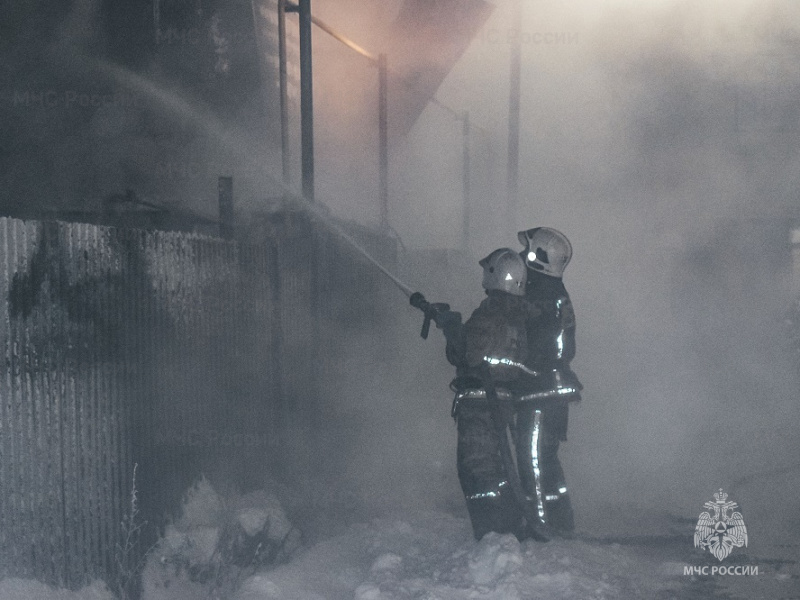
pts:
pixel 514 381
pixel 490 347
pixel 550 329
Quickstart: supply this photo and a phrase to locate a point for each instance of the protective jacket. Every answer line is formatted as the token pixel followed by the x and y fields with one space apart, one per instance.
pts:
pixel 550 328
pixel 493 337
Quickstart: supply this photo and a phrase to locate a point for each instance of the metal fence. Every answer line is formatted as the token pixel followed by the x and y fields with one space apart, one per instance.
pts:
pixel 166 350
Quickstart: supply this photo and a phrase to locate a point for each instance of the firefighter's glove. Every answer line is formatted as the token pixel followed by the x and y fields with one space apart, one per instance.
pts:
pixel 447 319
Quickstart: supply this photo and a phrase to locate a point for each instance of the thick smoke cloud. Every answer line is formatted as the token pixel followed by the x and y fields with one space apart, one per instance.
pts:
pixel 663 145
pixel 660 137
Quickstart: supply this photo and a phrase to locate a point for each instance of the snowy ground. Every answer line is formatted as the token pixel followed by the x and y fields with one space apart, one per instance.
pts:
pixel 22 589
pixel 431 555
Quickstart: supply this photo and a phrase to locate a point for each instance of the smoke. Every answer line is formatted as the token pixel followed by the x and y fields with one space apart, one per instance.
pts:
pixel 659 136
pixel 660 143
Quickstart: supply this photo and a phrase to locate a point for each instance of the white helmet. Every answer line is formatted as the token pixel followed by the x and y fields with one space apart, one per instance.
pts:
pixel 504 270
pixel 546 250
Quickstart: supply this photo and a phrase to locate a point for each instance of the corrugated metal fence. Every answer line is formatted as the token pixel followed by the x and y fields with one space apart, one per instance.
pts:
pixel 126 347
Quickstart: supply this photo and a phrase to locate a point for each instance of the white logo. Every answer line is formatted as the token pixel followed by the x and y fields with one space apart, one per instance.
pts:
pixel 721 533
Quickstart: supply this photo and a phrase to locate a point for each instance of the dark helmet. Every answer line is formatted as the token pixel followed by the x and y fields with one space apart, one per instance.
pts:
pixel 546 250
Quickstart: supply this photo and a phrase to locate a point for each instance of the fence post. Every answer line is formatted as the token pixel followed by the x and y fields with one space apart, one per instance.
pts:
pixel 225 186
pixel 279 421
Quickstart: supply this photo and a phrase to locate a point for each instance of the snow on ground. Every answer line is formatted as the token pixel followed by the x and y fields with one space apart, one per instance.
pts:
pixel 432 556
pixel 217 541
pixel 24 589
pixel 427 555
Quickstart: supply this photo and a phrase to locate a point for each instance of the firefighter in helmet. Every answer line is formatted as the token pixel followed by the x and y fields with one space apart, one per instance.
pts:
pixel 550 329
pixel 492 345
pixel 513 376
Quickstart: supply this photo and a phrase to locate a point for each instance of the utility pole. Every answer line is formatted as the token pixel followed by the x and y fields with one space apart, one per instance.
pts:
pixel 306 101
pixel 283 80
pixel 383 141
pixel 466 174
pixel 513 109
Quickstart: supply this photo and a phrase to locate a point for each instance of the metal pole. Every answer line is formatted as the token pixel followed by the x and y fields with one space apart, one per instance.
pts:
pixel 466 177
pixel 513 110
pixel 278 425
pixel 317 242
pixel 157 20
pixel 383 141
pixel 285 157
pixel 225 188
pixel 306 101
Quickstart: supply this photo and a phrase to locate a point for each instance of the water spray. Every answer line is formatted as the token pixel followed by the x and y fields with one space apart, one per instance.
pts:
pixel 315 210
pixel 232 142
pixel 438 312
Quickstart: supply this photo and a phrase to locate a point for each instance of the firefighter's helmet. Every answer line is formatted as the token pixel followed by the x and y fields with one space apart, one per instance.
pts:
pixel 504 270
pixel 546 250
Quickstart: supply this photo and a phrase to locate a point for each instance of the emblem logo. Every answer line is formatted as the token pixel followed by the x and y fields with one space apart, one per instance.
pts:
pixel 721 533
